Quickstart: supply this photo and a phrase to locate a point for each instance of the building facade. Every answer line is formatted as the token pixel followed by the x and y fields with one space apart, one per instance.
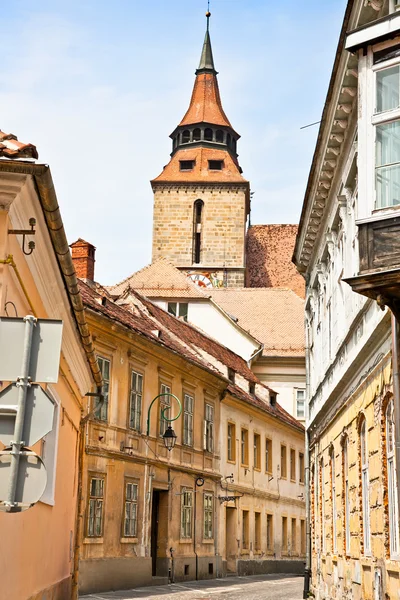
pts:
pixel 346 250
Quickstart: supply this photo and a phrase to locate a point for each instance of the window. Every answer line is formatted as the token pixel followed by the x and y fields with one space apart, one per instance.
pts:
pixel 186 136
pixel 215 165
pixel 208 516
pixel 104 366
pixel 269 533
pixel 252 388
pixel 196 134
pixel 300 404
pixel 197 222
pixel 365 486
pixel 178 309
pixel 49 455
pixel 231 441
pixel 257 451
pixel 257 531
pixel 186 165
pixel 209 428
pixel 135 410
pixel 391 477
pixel 272 399
pixel 244 447
pixel 294 537
pixel 268 455
pixel 346 496
pixel 283 462
pixel 231 375
pixel 245 529
pixel 302 536
pixel 292 464
pixel 208 135
pixel 219 136
pixel 165 408
pixel 95 507
pixel 301 467
pixel 186 513
pixel 333 494
pixel 284 534
pixel 188 403
pixel 130 519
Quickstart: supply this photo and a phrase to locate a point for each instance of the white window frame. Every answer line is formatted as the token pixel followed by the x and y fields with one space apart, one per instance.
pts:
pixel 179 306
pixel 188 415
pixel 136 400
pixel 103 413
pixel 165 403
pixel 131 508
pixel 49 452
pixel 208 515
pixel 209 427
pixel 98 501
pixel 365 488
pixel 391 482
pixel 186 513
pixel 301 400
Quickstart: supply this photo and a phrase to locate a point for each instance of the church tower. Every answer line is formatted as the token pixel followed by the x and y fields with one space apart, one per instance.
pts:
pixel 201 199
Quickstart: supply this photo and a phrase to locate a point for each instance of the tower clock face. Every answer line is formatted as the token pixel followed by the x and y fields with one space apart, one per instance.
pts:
pixel 201 279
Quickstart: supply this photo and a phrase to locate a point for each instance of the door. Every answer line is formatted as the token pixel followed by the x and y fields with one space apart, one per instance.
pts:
pixel 230 539
pixel 155 515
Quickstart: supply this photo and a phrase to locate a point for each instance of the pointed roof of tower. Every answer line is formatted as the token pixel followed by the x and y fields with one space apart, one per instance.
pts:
pixel 206 59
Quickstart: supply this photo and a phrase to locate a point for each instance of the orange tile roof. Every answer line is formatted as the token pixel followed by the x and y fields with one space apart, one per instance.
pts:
pixel 275 316
pixel 205 104
pixel 201 173
pixel 269 250
pixel 161 279
pixel 10 147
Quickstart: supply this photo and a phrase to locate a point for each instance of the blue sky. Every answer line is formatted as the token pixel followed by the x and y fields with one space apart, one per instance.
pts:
pixel 98 86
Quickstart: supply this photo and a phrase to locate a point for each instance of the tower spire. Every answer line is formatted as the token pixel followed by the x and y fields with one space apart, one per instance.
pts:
pixel 206 60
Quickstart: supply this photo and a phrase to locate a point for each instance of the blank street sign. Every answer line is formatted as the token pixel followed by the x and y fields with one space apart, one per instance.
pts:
pixel 39 412
pixel 45 352
pixel 32 479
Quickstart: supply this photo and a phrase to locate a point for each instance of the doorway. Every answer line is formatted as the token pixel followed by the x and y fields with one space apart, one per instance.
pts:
pixel 159 533
pixel 230 539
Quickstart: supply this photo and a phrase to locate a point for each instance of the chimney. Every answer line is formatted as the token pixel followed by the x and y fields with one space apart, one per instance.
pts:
pixel 83 257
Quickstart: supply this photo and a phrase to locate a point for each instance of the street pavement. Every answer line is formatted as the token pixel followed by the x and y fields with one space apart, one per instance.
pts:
pixel 259 587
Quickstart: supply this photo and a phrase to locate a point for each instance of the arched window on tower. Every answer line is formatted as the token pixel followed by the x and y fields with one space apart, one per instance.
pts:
pixel 228 140
pixel 219 136
pixel 196 134
pixel 197 222
pixel 208 134
pixel 186 136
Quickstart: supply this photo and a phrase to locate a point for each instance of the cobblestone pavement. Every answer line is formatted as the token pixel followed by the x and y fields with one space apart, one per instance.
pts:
pixel 261 587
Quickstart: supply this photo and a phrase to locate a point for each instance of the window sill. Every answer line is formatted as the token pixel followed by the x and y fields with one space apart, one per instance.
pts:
pixel 186 540
pixel 293 480
pixel 129 540
pixel 257 469
pixel 93 540
pixel 208 541
pixel 380 214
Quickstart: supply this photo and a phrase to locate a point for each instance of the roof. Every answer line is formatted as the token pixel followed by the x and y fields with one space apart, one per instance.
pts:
pixel 201 173
pixel 206 59
pixel 158 326
pixel 10 147
pixel 205 104
pixel 161 279
pixel 269 250
pixel 275 316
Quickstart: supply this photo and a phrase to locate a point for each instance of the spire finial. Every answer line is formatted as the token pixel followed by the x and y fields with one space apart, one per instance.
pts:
pixel 208 15
pixel 206 60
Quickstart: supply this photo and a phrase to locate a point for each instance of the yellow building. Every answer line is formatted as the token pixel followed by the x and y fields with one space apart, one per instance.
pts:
pixel 157 516
pixel 38 557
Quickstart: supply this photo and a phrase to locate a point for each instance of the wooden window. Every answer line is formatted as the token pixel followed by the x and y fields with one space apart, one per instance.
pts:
pixel 165 408
pixel 257 531
pixel 391 481
pixel 257 451
pixel 188 407
pixel 301 467
pixel 292 464
pixel 268 455
pixel 208 516
pixel 244 447
pixel 333 495
pixel 231 441
pixel 284 534
pixel 186 513
pixel 294 537
pixel 302 536
pixel 95 506
pixel 283 462
pixel 209 428
pixel 130 514
pixel 245 529
pixel 365 487
pixel 135 405
pixel 104 365
pixel 270 533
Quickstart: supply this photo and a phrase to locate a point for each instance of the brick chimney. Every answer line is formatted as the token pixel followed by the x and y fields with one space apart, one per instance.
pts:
pixel 83 257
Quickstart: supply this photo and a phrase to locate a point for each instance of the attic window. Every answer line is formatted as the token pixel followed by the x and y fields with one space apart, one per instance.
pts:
pixel 252 388
pixel 215 165
pixel 186 165
pixel 272 399
pixel 231 375
pixel 104 301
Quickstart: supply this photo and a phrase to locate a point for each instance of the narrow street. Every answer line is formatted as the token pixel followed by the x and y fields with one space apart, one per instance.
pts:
pixel 261 587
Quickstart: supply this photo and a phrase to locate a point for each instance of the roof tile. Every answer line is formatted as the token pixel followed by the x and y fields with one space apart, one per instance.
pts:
pixel 10 147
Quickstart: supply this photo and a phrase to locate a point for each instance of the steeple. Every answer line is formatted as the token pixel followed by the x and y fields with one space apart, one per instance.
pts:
pixel 206 59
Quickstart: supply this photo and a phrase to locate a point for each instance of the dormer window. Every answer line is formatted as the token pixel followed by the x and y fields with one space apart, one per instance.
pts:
pixel 215 165
pixel 231 375
pixel 252 388
pixel 272 399
pixel 186 165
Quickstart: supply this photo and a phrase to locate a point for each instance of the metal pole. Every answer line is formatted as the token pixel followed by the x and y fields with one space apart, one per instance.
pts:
pixel 396 394
pixel 23 383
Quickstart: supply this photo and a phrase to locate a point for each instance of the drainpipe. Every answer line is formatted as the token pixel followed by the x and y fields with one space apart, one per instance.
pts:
pixel 194 531
pixel 396 394
pixel 392 6
pixel 307 571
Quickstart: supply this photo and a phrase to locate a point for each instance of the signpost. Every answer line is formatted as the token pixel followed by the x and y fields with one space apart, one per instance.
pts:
pixel 29 352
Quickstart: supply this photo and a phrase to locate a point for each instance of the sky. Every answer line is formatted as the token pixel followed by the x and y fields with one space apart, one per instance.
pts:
pixel 98 86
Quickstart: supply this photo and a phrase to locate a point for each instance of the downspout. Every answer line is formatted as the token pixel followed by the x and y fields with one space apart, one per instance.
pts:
pixel 194 531
pixel 307 571
pixel 396 394
pixel 392 6
pixel 254 356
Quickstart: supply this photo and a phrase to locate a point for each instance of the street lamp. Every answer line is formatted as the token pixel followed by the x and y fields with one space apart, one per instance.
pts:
pixel 169 436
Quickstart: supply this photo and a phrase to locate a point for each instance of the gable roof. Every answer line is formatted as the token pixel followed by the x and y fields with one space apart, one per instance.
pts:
pixel 160 279
pixel 269 250
pixel 275 316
